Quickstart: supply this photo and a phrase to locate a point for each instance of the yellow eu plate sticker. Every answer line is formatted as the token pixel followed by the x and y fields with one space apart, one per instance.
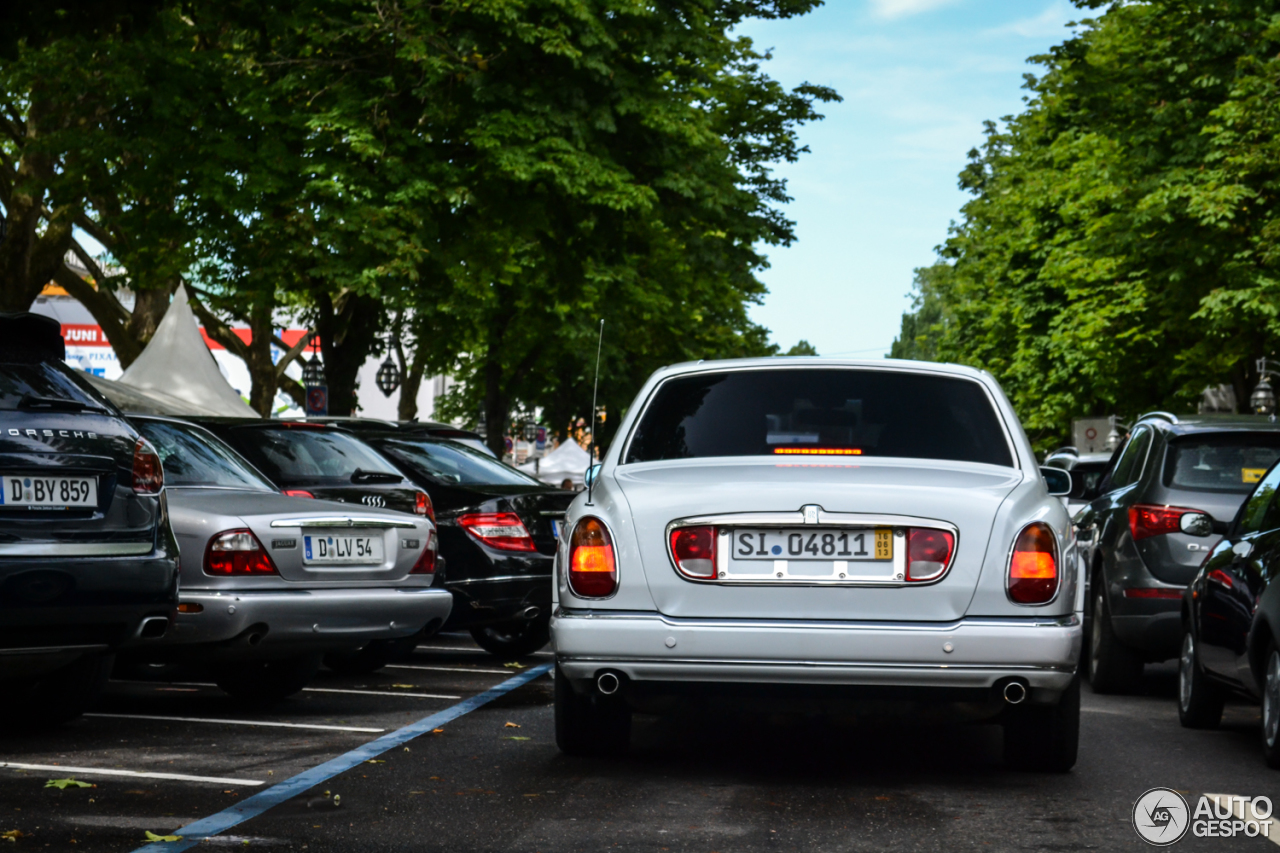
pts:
pixel 884 543
pixel 1251 475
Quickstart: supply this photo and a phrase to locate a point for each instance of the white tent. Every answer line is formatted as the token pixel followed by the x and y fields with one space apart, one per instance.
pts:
pixel 177 363
pixel 137 401
pixel 568 461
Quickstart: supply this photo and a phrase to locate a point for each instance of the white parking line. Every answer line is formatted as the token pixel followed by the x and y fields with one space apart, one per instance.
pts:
pixel 239 722
pixel 448 669
pixel 1236 806
pixel 132 774
pixel 380 693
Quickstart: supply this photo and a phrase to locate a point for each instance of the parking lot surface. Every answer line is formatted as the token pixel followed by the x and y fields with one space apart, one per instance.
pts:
pixel 493 779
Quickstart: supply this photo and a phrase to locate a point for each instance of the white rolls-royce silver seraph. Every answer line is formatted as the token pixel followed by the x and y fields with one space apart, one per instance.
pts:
pixel 820 530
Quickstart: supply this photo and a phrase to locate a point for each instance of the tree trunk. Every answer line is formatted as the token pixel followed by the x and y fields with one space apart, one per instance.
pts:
pixel 497 408
pixel 348 326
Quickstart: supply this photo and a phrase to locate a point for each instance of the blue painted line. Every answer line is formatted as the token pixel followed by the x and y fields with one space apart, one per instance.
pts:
pixel 193 833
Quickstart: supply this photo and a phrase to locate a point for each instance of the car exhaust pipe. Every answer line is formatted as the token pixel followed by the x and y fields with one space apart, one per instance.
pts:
pixel 530 613
pixel 1015 692
pixel 608 683
pixel 153 627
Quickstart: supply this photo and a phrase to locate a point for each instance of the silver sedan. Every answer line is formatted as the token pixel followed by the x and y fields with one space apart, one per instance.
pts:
pixel 271 584
pixel 818 530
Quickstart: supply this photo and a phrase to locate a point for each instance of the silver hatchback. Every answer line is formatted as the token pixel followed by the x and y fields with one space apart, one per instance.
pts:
pixel 822 530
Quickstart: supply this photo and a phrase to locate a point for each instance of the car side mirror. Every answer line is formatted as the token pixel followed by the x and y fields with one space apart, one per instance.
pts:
pixel 1058 481
pixel 592 472
pixel 1196 524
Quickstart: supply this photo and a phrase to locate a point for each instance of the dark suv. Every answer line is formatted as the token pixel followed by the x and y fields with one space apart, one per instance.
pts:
pixel 1169 493
pixel 88 563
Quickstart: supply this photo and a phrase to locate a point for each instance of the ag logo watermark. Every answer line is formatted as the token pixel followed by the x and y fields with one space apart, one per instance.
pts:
pixel 1162 816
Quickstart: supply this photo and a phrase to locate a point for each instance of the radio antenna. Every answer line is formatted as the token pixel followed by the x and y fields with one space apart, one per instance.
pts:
pixel 595 391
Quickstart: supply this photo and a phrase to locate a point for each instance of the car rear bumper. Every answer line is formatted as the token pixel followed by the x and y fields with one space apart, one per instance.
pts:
pixel 231 623
pixel 488 601
pixel 1041 652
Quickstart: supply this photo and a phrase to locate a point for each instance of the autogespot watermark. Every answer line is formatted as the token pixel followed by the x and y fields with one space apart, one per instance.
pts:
pixel 1162 816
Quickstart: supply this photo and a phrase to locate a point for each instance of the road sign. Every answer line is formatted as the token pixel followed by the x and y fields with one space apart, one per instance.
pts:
pixel 1090 434
pixel 508 443
pixel 541 439
pixel 318 400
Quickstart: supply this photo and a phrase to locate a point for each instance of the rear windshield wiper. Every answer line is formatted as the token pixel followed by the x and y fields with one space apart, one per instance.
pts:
pixel 362 476
pixel 55 404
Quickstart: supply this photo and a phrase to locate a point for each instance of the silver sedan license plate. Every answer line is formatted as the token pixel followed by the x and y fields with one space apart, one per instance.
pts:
pixel 342 548
pixel 790 554
pixel 52 492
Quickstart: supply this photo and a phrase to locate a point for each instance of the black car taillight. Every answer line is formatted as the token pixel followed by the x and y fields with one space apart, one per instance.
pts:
pixel 1033 566
pixel 593 571
pixel 502 530
pixel 148 474
pixel 1146 520
pixel 297 493
pixel 237 552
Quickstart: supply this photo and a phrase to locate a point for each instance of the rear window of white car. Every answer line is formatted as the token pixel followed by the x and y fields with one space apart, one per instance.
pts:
pixel 827 411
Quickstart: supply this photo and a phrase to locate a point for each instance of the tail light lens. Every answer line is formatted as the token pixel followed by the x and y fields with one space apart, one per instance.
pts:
pixel 297 493
pixel 502 530
pixel 1033 568
pixel 1152 592
pixel 148 475
pixel 1146 521
pixel 928 553
pixel 237 552
pixel 593 573
pixel 426 564
pixel 422 506
pixel 694 551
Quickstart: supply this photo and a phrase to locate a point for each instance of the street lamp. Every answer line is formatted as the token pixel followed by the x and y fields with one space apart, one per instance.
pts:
pixel 388 377
pixel 312 369
pixel 1263 398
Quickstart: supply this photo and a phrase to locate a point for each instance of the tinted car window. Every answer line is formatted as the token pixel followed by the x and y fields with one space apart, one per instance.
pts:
pixel 193 457
pixel 1220 463
pixel 1086 477
pixel 455 464
pixel 1260 511
pixel 1129 465
pixel 306 455
pixel 853 412
pixel 42 385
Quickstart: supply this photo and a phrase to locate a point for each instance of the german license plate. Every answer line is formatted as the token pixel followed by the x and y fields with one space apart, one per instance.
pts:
pixel 52 492
pixel 345 548
pixel 854 544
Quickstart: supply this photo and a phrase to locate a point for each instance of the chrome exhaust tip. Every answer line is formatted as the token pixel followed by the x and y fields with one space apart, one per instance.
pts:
pixel 608 683
pixel 1015 692
pixel 153 627
pixel 530 613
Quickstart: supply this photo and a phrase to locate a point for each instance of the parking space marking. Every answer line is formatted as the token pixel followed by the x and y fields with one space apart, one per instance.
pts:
pixel 379 693
pixel 240 722
pixel 132 774
pixel 192 834
pixel 448 669
pixel 1235 805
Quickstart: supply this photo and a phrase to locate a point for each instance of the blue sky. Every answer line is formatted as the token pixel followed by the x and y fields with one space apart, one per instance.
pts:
pixel 877 192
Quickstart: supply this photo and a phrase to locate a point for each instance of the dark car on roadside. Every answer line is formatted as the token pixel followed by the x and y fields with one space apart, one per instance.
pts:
pixel 498 529
pixel 1231 621
pixel 1171 489
pixel 88 562
pixel 429 429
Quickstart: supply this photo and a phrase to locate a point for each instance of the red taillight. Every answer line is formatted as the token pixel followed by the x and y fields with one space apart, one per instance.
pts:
pixel 237 552
pixel 1152 592
pixel 1146 521
pixel 297 493
pixel 1033 568
pixel 422 506
pixel 592 570
pixel 928 553
pixel 502 530
pixel 426 564
pixel 694 551
pixel 148 475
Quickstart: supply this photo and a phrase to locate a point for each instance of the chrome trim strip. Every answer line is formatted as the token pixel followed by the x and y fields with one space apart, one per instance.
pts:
pixel 343 521
pixel 499 578
pixel 75 549
pixel 53 650
pixel 813 516
pixel 809 664
pixel 1069 620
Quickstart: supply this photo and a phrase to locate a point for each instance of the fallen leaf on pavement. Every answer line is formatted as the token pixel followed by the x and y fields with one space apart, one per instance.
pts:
pixel 374 761
pixel 437 731
pixel 151 836
pixel 11 834
pixel 62 784
pixel 405 686
pixel 515 738
pixel 512 726
pixel 513 665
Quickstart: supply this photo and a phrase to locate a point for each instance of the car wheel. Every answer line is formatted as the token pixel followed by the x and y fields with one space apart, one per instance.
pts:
pixel 512 639
pixel 1200 699
pixel 57 697
pixel 261 682
pixel 1044 738
pixel 590 724
pixel 1113 666
pixel 1271 709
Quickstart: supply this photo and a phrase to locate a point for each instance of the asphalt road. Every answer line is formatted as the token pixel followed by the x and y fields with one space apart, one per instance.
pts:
pixel 493 780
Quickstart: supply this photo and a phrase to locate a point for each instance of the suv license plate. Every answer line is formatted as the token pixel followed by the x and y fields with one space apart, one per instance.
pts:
pixel 348 548
pixel 48 492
